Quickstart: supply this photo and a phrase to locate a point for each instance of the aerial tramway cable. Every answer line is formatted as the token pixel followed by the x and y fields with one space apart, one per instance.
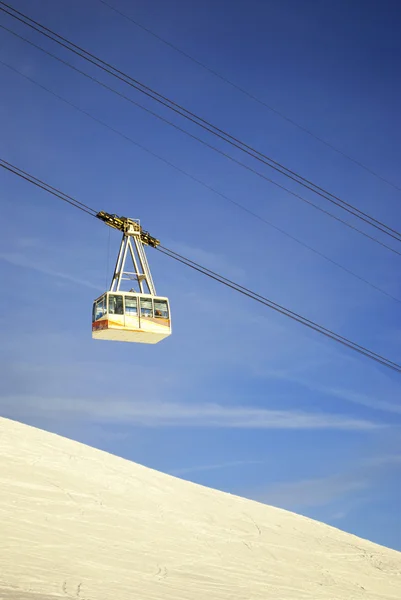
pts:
pixel 215 276
pixel 48 188
pixel 203 184
pixel 249 95
pixel 204 143
pixel 204 124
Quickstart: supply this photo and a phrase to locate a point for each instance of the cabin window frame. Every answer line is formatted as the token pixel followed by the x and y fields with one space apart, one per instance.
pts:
pixel 150 300
pixel 115 295
pixel 166 310
pixel 100 302
pixel 130 299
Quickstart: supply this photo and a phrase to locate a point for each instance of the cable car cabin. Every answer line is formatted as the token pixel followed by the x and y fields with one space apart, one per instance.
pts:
pixel 131 317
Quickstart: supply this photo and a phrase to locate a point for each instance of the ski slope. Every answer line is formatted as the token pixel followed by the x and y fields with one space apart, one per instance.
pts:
pixel 79 523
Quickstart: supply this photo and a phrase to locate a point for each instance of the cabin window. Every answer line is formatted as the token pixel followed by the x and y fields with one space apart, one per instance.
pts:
pixel 161 309
pixel 99 308
pixel 146 307
pixel 116 305
pixel 131 306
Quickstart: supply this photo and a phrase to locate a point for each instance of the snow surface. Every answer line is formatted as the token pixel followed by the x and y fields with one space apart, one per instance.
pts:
pixel 76 522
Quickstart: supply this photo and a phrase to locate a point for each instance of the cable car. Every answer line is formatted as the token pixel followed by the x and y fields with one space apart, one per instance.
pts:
pixel 136 315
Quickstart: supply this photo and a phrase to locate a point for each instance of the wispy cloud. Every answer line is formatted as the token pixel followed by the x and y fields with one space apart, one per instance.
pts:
pixel 325 491
pixel 215 467
pixel 381 400
pixel 169 414
pixel 19 260
pixel 385 460
pixel 337 516
pixel 312 492
pixel 363 399
pixel 211 260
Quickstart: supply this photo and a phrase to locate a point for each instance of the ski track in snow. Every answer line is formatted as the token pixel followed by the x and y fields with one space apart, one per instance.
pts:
pixel 78 523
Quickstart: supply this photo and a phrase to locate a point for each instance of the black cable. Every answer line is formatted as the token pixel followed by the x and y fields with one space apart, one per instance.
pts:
pixel 206 144
pixel 182 171
pixel 281 309
pixel 149 92
pixel 236 287
pixel 48 188
pixel 252 96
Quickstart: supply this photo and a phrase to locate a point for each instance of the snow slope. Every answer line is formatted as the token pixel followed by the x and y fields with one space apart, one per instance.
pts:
pixel 76 522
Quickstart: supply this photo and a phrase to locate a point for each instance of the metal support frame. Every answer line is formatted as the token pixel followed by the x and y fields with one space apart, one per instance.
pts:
pixel 141 273
pixel 132 230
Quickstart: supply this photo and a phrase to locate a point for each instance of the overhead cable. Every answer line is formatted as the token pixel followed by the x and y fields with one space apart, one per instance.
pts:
pixel 202 183
pixel 248 94
pixel 281 309
pixel 203 142
pixel 48 188
pixel 204 124
pixel 225 281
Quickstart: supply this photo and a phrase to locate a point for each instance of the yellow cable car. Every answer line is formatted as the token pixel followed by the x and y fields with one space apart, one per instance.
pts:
pixel 131 317
pixel 135 315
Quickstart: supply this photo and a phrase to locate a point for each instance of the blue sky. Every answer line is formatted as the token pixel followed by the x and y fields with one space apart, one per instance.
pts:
pixel 239 398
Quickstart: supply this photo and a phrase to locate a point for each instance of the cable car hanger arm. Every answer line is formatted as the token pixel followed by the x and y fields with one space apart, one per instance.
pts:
pixel 128 227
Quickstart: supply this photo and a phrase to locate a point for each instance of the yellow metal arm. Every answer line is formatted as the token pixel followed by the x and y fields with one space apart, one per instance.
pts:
pixel 129 227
